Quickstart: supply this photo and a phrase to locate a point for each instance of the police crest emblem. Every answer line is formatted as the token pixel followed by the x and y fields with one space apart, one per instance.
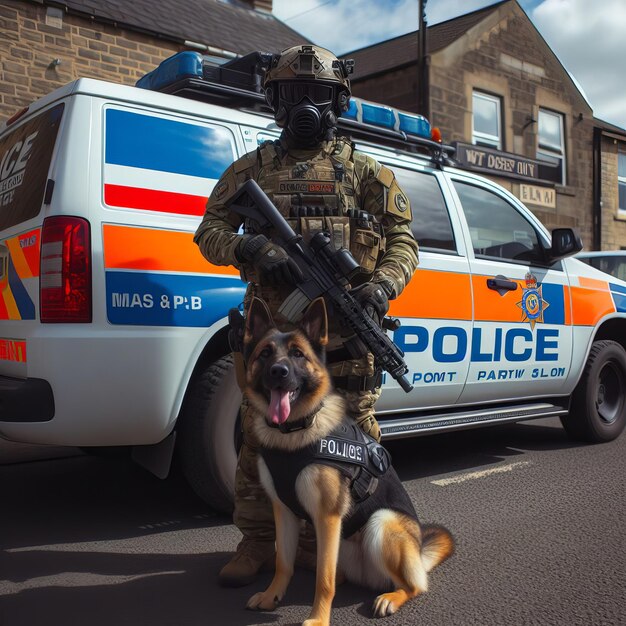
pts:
pixel 532 303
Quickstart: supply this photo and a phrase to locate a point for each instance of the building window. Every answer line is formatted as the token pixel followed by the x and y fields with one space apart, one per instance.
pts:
pixel 621 180
pixel 551 142
pixel 486 120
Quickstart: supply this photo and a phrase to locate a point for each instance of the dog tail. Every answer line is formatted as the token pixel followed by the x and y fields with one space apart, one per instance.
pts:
pixel 437 546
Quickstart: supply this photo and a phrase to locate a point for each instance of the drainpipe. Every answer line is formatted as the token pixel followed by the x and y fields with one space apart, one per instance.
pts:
pixel 423 78
pixel 597 188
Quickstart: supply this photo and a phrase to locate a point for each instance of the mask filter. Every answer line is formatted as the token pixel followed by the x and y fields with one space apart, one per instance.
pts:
pixel 305 123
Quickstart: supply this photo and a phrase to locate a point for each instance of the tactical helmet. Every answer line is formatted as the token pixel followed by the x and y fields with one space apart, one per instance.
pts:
pixel 307 87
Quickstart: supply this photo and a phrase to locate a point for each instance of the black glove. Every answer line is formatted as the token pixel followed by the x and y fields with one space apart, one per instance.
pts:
pixel 271 261
pixel 374 298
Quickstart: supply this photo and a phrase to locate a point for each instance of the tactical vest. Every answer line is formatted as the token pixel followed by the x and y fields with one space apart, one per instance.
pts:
pixel 374 483
pixel 322 194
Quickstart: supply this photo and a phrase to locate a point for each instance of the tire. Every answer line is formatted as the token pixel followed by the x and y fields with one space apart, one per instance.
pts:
pixel 598 407
pixel 209 434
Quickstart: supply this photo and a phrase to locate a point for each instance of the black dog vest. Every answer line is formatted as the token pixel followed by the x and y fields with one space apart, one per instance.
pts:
pixel 374 484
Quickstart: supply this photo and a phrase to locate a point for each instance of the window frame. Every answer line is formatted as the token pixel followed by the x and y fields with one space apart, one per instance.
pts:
pixel 550 150
pixel 457 249
pixel 483 139
pixel 543 237
pixel 621 180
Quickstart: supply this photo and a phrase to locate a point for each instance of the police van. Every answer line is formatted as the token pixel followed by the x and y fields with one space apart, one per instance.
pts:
pixel 113 327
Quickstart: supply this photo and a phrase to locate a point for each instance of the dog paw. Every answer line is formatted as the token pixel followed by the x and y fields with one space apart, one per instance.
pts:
pixel 383 605
pixel 262 601
pixel 315 622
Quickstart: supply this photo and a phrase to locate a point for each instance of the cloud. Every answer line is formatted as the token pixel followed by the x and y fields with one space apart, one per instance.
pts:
pixel 589 40
pixel 346 25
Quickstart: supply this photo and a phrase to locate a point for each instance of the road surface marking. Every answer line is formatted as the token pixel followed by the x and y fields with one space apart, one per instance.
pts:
pixel 454 480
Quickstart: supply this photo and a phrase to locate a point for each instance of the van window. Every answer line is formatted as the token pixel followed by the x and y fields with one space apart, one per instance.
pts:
pixel 162 164
pixel 25 155
pixel 431 222
pixel 498 229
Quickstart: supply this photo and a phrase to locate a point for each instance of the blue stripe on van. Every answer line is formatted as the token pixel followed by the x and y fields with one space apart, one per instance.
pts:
pixel 155 143
pixel 553 295
pixel 25 305
pixel 619 297
pixel 620 302
pixel 617 288
pixel 152 299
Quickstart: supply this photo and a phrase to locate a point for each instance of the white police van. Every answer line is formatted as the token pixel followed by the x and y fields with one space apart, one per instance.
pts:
pixel 113 327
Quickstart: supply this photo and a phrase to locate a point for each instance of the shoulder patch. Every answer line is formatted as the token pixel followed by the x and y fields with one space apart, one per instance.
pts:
pixel 224 186
pixel 397 202
pixel 220 190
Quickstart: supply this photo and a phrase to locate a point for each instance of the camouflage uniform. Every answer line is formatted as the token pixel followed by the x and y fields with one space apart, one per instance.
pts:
pixel 334 176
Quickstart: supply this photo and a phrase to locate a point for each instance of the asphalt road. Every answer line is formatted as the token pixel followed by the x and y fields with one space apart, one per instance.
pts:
pixel 539 524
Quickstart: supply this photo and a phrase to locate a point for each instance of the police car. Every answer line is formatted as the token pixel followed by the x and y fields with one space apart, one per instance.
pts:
pixel 113 327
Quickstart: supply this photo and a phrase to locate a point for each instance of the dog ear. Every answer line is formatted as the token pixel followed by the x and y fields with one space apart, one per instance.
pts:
pixel 314 323
pixel 258 321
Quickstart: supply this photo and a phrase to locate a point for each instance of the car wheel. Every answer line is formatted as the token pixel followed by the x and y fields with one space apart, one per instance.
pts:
pixel 598 407
pixel 209 433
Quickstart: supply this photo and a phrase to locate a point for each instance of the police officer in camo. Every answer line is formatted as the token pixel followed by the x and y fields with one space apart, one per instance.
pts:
pixel 319 183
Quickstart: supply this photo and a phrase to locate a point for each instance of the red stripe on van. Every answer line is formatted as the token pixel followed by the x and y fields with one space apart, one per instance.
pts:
pixel 154 200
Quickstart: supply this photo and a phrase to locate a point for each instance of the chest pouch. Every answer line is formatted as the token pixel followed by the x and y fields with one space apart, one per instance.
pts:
pixel 366 241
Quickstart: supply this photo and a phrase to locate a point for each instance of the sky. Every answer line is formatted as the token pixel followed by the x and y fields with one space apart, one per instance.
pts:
pixel 588 36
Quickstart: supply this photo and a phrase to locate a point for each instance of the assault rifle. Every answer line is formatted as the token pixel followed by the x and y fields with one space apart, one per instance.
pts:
pixel 327 272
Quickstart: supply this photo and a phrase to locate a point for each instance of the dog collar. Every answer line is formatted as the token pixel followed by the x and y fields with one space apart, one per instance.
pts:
pixel 302 424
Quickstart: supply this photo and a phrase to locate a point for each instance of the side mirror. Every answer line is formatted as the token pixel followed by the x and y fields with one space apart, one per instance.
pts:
pixel 565 242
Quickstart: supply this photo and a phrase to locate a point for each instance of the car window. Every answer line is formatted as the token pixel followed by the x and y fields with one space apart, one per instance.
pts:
pixel 498 230
pixel 25 155
pixel 431 222
pixel 614 265
pixel 161 163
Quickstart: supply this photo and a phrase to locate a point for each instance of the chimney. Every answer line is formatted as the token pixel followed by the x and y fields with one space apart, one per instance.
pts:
pixel 261 5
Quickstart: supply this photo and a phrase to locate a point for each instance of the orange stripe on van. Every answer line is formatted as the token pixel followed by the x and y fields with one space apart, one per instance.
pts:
pixel 128 247
pixel 489 305
pixel 593 283
pixel 19 260
pixel 591 304
pixel 437 295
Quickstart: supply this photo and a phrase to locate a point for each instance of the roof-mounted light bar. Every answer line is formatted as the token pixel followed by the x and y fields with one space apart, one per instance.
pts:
pixel 239 82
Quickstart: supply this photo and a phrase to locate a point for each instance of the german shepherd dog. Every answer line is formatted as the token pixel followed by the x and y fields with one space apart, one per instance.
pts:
pixel 287 383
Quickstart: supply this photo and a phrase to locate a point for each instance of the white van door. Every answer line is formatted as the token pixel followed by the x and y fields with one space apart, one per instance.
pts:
pixel 435 308
pixel 522 335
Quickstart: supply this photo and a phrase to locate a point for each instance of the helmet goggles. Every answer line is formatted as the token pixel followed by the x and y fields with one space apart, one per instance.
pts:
pixel 292 92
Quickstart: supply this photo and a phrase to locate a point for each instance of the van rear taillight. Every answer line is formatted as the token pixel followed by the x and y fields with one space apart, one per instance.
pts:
pixel 65 276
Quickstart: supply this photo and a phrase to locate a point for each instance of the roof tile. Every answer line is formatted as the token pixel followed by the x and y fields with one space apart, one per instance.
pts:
pixel 226 25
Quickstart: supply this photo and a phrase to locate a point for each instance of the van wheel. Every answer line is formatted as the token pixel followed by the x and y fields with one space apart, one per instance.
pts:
pixel 210 434
pixel 598 407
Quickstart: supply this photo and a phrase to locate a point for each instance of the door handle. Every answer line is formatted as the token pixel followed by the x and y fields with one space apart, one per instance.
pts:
pixel 501 284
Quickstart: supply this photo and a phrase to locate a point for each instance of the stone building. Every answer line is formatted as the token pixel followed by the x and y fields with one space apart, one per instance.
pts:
pixel 499 93
pixel 44 45
pixel 609 201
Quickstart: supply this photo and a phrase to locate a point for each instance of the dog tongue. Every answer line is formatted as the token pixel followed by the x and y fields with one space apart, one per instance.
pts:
pixel 279 406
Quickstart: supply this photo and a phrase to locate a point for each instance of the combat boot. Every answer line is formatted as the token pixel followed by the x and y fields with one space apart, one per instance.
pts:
pixel 251 558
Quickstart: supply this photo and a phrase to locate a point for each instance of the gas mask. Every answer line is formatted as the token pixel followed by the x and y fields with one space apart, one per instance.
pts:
pixel 306 110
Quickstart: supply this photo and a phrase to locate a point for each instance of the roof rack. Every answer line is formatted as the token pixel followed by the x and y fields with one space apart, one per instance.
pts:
pixel 238 83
